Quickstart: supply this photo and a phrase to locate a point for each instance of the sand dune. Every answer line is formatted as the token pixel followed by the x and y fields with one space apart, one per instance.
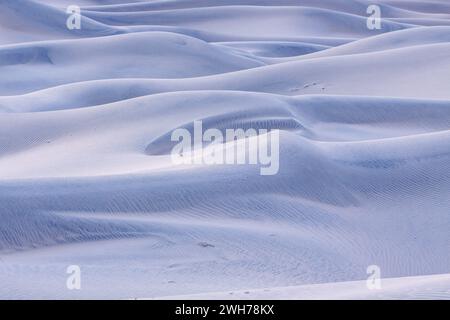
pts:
pixel 86 176
pixel 425 287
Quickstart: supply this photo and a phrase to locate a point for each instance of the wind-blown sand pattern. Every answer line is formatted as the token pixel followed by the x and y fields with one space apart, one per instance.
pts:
pixel 86 176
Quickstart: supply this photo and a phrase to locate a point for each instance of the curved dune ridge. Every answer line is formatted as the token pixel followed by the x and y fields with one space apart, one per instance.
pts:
pixel 87 179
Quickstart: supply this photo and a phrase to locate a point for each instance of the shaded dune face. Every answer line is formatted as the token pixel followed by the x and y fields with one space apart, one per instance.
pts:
pixel 87 179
